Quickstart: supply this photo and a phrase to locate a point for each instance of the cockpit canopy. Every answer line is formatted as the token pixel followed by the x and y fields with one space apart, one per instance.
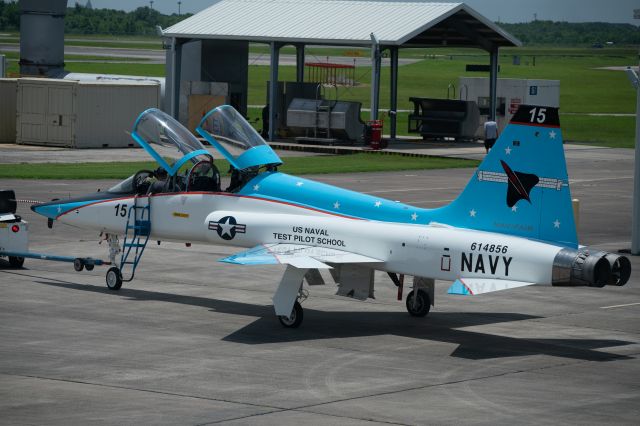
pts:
pixel 173 146
pixel 154 127
pixel 225 126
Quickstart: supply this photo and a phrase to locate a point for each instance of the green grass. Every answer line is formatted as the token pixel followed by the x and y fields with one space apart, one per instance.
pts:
pixel 365 162
pixel 116 44
pixel 613 132
pixel 104 41
pixel 153 70
pixel 583 87
pixel 15 56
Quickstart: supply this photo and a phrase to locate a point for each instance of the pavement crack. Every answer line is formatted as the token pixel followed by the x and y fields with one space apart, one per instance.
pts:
pixel 386 422
pixel 181 395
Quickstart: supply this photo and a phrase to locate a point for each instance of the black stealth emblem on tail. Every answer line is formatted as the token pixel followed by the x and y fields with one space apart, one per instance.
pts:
pixel 519 185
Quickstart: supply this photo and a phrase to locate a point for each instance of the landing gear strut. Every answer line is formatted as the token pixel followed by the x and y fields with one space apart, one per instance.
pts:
pixel 114 276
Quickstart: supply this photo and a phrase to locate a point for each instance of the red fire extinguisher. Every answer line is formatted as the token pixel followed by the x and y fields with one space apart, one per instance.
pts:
pixel 376 133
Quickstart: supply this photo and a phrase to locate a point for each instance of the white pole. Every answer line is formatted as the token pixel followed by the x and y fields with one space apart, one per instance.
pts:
pixel 635 226
pixel 635 218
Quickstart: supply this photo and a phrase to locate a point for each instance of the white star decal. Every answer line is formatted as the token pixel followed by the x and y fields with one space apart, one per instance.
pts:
pixel 256 187
pixel 378 204
pixel 514 208
pixel 552 134
pixel 414 217
pixel 59 209
pixel 507 150
pixel 472 213
pixel 556 224
pixel 226 227
pixel 336 205
pixel 299 183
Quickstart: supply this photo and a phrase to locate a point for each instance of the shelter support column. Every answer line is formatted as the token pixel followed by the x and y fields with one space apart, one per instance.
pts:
pixel 300 63
pixel 375 76
pixel 393 107
pixel 176 67
pixel 493 83
pixel 273 89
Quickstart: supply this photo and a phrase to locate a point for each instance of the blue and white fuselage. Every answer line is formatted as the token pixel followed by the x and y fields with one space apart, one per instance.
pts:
pixel 511 226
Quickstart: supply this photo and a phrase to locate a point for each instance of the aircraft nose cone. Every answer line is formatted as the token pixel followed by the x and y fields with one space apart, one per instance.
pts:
pixel 48 210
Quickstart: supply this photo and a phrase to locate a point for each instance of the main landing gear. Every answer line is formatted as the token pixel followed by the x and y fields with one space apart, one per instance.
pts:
pixel 297 313
pixel 295 319
pixel 419 300
pixel 418 306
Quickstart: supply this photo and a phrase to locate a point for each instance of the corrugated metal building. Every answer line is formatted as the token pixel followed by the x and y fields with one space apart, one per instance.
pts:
pixel 379 24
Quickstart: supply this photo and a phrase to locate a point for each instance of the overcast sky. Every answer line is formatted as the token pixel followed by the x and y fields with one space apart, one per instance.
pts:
pixel 503 10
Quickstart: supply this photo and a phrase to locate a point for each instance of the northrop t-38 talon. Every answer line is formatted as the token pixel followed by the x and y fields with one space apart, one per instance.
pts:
pixel 512 225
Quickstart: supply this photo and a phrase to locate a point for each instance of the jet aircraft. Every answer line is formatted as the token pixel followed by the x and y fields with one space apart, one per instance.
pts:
pixel 511 226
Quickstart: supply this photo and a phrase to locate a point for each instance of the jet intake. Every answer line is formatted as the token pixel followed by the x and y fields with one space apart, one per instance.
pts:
pixel 592 269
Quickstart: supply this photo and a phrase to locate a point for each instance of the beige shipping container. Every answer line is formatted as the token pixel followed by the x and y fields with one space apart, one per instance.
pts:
pixel 107 111
pixel 8 110
pixel 81 114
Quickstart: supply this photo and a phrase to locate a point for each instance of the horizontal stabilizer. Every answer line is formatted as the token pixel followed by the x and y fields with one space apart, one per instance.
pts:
pixel 300 256
pixel 474 286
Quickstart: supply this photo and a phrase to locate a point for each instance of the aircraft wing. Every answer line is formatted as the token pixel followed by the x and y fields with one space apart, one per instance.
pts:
pixel 298 255
pixel 474 286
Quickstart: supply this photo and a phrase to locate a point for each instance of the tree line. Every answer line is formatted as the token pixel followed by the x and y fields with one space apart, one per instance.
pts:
pixel 574 33
pixel 143 20
pixel 82 20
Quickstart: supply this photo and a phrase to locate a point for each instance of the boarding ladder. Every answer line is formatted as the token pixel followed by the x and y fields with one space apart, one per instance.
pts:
pixel 136 235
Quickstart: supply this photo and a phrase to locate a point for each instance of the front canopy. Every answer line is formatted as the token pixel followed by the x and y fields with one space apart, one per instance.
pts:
pixel 224 125
pixel 154 127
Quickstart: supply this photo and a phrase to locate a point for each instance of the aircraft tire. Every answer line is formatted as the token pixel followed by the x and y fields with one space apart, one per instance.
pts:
pixel 89 267
pixel 423 304
pixel 295 319
pixel 16 261
pixel 78 264
pixel 114 278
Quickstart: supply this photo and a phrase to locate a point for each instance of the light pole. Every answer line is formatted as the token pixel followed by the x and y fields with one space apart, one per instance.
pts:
pixel 635 224
pixel 151 3
pixel 179 3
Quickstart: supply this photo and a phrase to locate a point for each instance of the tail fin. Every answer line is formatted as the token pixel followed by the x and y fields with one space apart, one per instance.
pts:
pixel 521 188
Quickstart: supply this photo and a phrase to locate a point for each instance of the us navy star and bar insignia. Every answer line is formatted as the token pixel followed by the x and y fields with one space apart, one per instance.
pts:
pixel 227 227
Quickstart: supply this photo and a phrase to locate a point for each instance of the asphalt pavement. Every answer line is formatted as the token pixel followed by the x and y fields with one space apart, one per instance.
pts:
pixel 194 341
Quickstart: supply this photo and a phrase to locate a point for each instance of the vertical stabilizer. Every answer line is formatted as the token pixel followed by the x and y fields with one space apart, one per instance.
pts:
pixel 521 188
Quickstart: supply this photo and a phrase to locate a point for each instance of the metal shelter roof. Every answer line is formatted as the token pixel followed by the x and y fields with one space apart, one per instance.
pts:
pixel 344 22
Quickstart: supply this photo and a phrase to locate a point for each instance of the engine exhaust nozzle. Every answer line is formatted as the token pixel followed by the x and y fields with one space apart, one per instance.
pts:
pixel 620 269
pixel 585 268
